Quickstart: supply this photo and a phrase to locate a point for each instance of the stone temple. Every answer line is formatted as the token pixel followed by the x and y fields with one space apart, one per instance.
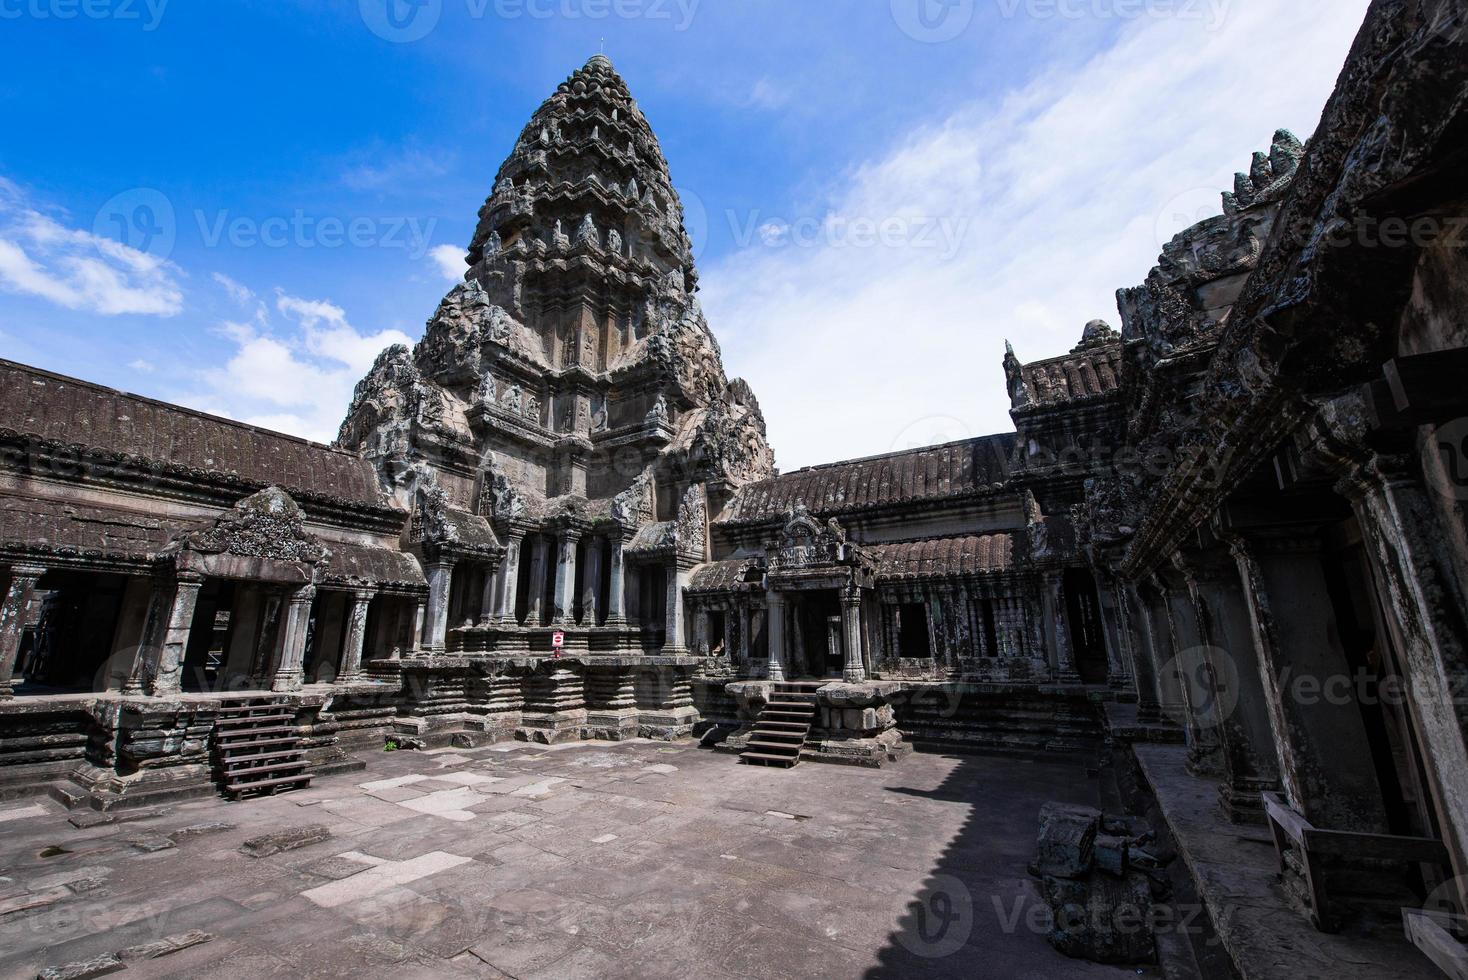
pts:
pixel 1221 558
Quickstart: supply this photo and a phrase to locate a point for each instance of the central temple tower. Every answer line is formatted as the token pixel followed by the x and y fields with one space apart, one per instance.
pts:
pixel 565 428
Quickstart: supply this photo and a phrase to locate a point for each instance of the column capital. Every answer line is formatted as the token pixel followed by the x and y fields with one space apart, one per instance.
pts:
pixel 27 570
pixel 306 593
pixel 364 595
pixel 189 579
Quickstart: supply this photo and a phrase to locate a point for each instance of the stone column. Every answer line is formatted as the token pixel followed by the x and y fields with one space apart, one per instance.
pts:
pixel 1250 763
pixel 1119 671
pixel 351 666
pixel 1149 707
pixel 565 593
pixel 746 635
pixel 509 597
pixel 616 584
pixel 673 610
pixel 1205 750
pixel 1159 641
pixel 420 621
pixel 292 642
pixel 18 596
pixel 775 606
pixel 436 622
pixel 168 678
pixel 702 634
pixel 1405 531
pixel 1062 654
pixel 856 669
pixel 591 582
pixel 1323 751
pixel 539 563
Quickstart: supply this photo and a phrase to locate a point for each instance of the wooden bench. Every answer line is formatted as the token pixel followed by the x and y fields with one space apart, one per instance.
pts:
pixel 1313 844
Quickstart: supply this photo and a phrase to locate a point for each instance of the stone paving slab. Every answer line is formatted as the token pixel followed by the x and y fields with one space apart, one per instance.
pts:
pixel 579 860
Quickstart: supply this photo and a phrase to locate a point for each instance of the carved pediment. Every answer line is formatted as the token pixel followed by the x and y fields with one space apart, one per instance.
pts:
pixel 804 541
pixel 267 525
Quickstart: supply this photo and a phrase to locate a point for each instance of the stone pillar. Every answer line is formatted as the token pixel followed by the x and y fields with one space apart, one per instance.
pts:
pixel 292 641
pixel 1325 759
pixel 746 635
pixel 775 604
pixel 616 584
pixel 127 636
pixel 18 596
pixel 539 563
pixel 168 678
pixel 673 610
pixel 1250 763
pixel 1159 641
pixel 509 596
pixel 565 594
pixel 436 622
pixel 1205 750
pixel 1134 607
pixel 1062 655
pixel 856 669
pixel 702 635
pixel 591 582
pixel 351 665
pixel 1405 532
pixel 1119 671
pixel 420 620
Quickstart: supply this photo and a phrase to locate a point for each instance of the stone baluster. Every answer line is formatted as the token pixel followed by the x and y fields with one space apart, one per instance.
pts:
pixel 775 604
pixel 539 566
pixel 855 670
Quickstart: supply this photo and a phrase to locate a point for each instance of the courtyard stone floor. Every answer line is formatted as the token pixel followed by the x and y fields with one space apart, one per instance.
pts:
pixel 598 859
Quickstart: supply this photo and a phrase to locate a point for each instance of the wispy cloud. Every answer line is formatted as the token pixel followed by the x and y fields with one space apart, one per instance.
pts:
pixel 867 328
pixel 237 292
pixel 449 260
pixel 385 170
pixel 76 269
pixel 295 373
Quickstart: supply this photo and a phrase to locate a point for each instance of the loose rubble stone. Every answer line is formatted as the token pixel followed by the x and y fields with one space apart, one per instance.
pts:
pixel 171 944
pixel 1067 840
pixel 83 970
pixel 288 840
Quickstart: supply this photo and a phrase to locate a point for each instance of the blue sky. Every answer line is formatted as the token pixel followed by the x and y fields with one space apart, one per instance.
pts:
pixel 235 204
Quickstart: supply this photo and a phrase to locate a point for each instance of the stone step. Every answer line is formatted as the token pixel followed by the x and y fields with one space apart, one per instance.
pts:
pixel 783 738
pixel 250 732
pixel 300 782
pixel 777 748
pixel 258 743
pixel 234 761
pixel 769 760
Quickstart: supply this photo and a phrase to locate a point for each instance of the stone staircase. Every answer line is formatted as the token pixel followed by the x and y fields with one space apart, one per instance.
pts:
pixel 257 748
pixel 783 725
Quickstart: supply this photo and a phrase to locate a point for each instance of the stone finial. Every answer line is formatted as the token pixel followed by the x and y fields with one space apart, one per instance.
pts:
pixel 1286 153
pixel 600 61
pixel 587 232
pixel 1261 172
pixel 1243 189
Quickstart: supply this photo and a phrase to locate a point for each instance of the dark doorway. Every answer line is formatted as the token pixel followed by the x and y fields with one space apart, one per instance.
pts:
pixel 912 636
pixel 816 645
pixel 1083 615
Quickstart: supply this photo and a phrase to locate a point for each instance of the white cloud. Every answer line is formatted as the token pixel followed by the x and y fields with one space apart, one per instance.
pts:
pixel 296 376
pixel 142 366
pixel 450 261
pixel 767 94
pixel 1053 197
pixel 78 270
pixel 237 292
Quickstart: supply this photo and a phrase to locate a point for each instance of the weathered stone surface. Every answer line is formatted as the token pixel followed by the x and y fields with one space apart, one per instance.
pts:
pixel 165 946
pixel 285 840
pixel 1103 919
pixel 98 966
pixel 1067 840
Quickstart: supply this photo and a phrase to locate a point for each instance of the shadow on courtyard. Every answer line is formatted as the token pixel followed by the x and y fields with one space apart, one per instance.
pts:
pixel 978 913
